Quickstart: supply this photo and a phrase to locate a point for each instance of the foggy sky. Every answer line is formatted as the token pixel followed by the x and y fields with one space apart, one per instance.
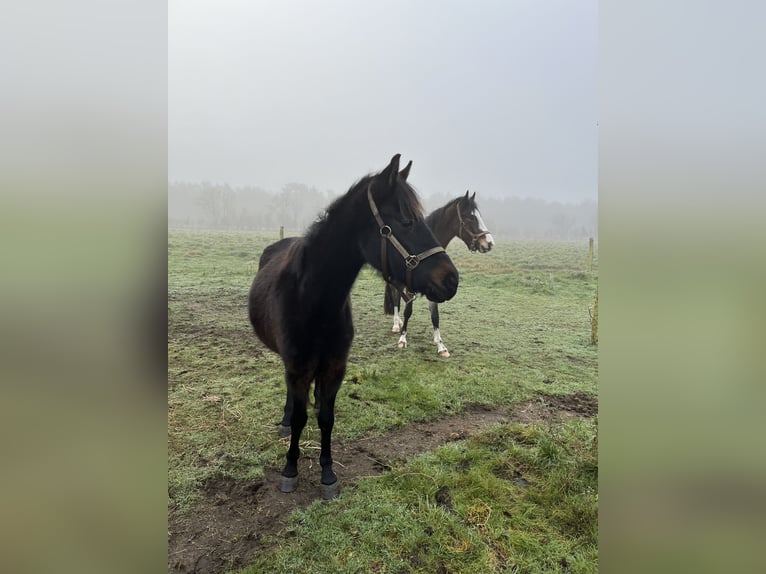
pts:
pixel 494 96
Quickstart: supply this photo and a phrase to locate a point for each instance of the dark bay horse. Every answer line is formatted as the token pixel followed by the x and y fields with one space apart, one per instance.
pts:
pixel 458 218
pixel 299 301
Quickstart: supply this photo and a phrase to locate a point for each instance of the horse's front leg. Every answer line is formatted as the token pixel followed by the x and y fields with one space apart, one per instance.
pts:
pixel 284 426
pixel 328 383
pixel 407 314
pixel 297 390
pixel 441 348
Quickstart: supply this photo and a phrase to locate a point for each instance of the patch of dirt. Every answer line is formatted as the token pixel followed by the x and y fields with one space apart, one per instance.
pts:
pixel 235 519
pixel 554 408
pixel 444 498
pixel 228 527
pixel 579 404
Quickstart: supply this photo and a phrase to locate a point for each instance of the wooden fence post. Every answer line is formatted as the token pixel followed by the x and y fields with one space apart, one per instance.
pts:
pixel 594 321
pixel 282 232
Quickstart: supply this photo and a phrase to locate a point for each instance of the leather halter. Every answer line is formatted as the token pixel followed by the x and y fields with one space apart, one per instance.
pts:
pixel 474 236
pixel 410 261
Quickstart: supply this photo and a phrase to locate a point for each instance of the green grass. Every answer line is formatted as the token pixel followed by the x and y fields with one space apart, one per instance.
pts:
pixel 515 499
pixel 518 326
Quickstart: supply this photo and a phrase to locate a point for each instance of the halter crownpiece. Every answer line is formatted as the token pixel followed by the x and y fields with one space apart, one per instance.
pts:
pixel 410 261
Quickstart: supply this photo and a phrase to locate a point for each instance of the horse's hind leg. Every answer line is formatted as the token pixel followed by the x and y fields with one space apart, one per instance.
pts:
pixel 298 390
pixel 397 326
pixel 441 348
pixel 391 306
pixel 407 314
pixel 328 383
pixel 397 320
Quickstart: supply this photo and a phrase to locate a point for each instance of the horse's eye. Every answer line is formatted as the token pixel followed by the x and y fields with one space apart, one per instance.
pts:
pixel 407 222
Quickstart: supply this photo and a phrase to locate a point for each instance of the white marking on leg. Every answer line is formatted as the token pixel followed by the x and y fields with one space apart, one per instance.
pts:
pixel 397 321
pixel 441 348
pixel 402 340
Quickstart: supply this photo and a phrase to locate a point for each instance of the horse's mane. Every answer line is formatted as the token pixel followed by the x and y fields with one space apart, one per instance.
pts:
pixel 437 213
pixel 408 203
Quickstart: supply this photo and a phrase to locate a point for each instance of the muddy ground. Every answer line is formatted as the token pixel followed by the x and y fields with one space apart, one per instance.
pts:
pixel 235 518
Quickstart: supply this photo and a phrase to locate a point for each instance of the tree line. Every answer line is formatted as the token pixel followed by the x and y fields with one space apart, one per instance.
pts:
pixel 296 206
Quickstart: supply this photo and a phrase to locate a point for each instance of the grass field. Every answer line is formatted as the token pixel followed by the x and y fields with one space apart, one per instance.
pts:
pixel 514 497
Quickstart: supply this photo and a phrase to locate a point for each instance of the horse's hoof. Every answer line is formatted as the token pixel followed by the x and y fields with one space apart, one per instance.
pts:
pixel 444 354
pixel 284 431
pixel 330 491
pixel 395 329
pixel 288 483
pixel 401 345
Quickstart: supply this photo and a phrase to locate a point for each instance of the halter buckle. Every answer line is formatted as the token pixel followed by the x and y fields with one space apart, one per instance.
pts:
pixel 385 231
pixel 411 261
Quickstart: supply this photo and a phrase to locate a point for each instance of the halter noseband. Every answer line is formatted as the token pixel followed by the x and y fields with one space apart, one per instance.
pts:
pixel 474 236
pixel 410 261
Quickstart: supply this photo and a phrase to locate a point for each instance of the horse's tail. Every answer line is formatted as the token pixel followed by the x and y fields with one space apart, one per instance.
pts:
pixel 390 299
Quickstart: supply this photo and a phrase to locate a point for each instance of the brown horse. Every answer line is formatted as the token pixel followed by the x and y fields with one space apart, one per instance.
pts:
pixel 299 301
pixel 458 218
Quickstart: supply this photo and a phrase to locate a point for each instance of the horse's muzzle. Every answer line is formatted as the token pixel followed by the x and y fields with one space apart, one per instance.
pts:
pixel 485 243
pixel 444 288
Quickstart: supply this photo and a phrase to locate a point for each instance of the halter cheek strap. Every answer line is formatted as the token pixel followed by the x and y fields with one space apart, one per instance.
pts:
pixel 410 261
pixel 474 236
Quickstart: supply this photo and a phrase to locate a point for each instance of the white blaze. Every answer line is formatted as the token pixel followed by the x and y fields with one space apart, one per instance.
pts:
pixel 483 227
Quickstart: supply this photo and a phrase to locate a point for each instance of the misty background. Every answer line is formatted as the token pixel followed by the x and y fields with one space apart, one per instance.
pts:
pixel 277 108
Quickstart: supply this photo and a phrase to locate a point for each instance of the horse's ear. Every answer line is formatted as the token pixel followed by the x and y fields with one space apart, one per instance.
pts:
pixel 389 174
pixel 406 171
pixel 466 193
pixel 473 197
